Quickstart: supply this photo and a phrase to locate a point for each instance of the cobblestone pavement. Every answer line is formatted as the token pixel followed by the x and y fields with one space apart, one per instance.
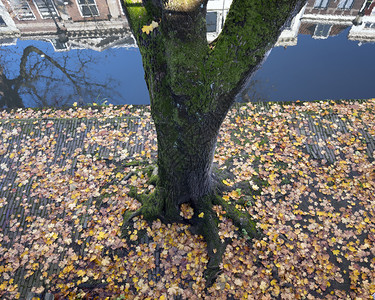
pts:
pixel 41 146
pixel 32 147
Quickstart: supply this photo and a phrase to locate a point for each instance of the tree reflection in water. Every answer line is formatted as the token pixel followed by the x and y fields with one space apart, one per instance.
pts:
pixel 37 79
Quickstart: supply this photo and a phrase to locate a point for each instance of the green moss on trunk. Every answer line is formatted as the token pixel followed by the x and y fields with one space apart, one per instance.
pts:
pixel 192 87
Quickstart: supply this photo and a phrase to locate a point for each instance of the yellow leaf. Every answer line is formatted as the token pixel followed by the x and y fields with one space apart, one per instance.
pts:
pixel 148 28
pixel 3 285
pixel 367 185
pixel 101 235
pixel 226 182
pixel 119 175
pixel 67 269
pixel 234 194
pixel 201 215
pixel 203 259
pixel 272 176
pixel 336 252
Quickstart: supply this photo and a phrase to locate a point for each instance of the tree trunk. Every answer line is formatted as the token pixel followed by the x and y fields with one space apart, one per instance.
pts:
pixel 192 86
pixel 185 156
pixel 181 106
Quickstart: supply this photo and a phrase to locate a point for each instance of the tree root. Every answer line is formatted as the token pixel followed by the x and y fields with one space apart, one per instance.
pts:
pixel 240 219
pixel 153 208
pixel 206 224
pixel 127 217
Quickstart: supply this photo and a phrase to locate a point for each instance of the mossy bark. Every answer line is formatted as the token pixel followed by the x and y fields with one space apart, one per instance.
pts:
pixel 192 86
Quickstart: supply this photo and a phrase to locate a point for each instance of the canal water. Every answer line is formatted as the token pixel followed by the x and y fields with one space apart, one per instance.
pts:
pixel 317 69
pixel 326 52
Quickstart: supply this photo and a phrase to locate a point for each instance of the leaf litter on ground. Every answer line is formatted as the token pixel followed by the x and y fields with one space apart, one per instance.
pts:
pixel 304 171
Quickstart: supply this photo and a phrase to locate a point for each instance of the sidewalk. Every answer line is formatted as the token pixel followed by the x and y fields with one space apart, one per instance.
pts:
pixel 52 165
pixel 38 156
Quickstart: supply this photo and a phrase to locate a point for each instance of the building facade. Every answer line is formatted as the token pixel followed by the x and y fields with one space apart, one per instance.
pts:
pixel 94 24
pixel 217 11
pixel 324 18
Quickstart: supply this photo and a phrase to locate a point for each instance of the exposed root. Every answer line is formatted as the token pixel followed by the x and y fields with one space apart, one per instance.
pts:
pixel 240 219
pixel 205 222
pixel 128 216
pixel 207 226
pixel 153 208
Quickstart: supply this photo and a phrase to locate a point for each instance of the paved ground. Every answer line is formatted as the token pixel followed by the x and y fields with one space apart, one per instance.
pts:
pixel 39 146
pixel 35 144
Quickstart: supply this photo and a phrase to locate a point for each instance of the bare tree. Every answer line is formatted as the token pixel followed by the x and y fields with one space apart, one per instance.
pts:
pixel 49 81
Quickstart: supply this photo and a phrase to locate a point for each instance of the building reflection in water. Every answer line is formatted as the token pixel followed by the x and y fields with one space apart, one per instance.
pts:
pixel 51 79
pixel 90 24
pixel 101 25
pixel 324 18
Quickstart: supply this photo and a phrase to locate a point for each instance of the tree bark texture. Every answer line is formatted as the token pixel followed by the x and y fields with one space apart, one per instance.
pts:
pixel 192 84
pixel 180 98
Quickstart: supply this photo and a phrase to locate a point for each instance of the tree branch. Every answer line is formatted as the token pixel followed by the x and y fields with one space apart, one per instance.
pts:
pixel 250 31
pixel 25 55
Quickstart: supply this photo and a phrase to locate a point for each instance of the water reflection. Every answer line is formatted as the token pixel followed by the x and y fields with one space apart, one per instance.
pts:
pixel 323 18
pixel 51 67
pixel 36 78
pixel 44 57
pixel 326 52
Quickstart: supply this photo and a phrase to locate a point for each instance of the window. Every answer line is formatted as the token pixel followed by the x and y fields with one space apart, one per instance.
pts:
pixel 46 8
pixel 59 46
pixel 88 8
pixel 321 4
pixel 370 25
pixel 345 4
pixel 21 9
pixel 211 20
pixel 2 22
pixel 322 31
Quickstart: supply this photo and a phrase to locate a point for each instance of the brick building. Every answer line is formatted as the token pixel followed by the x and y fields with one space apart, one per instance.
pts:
pixel 324 18
pixel 364 29
pixel 94 24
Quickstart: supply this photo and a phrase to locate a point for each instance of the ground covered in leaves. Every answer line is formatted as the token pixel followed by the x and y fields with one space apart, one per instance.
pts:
pixel 304 171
